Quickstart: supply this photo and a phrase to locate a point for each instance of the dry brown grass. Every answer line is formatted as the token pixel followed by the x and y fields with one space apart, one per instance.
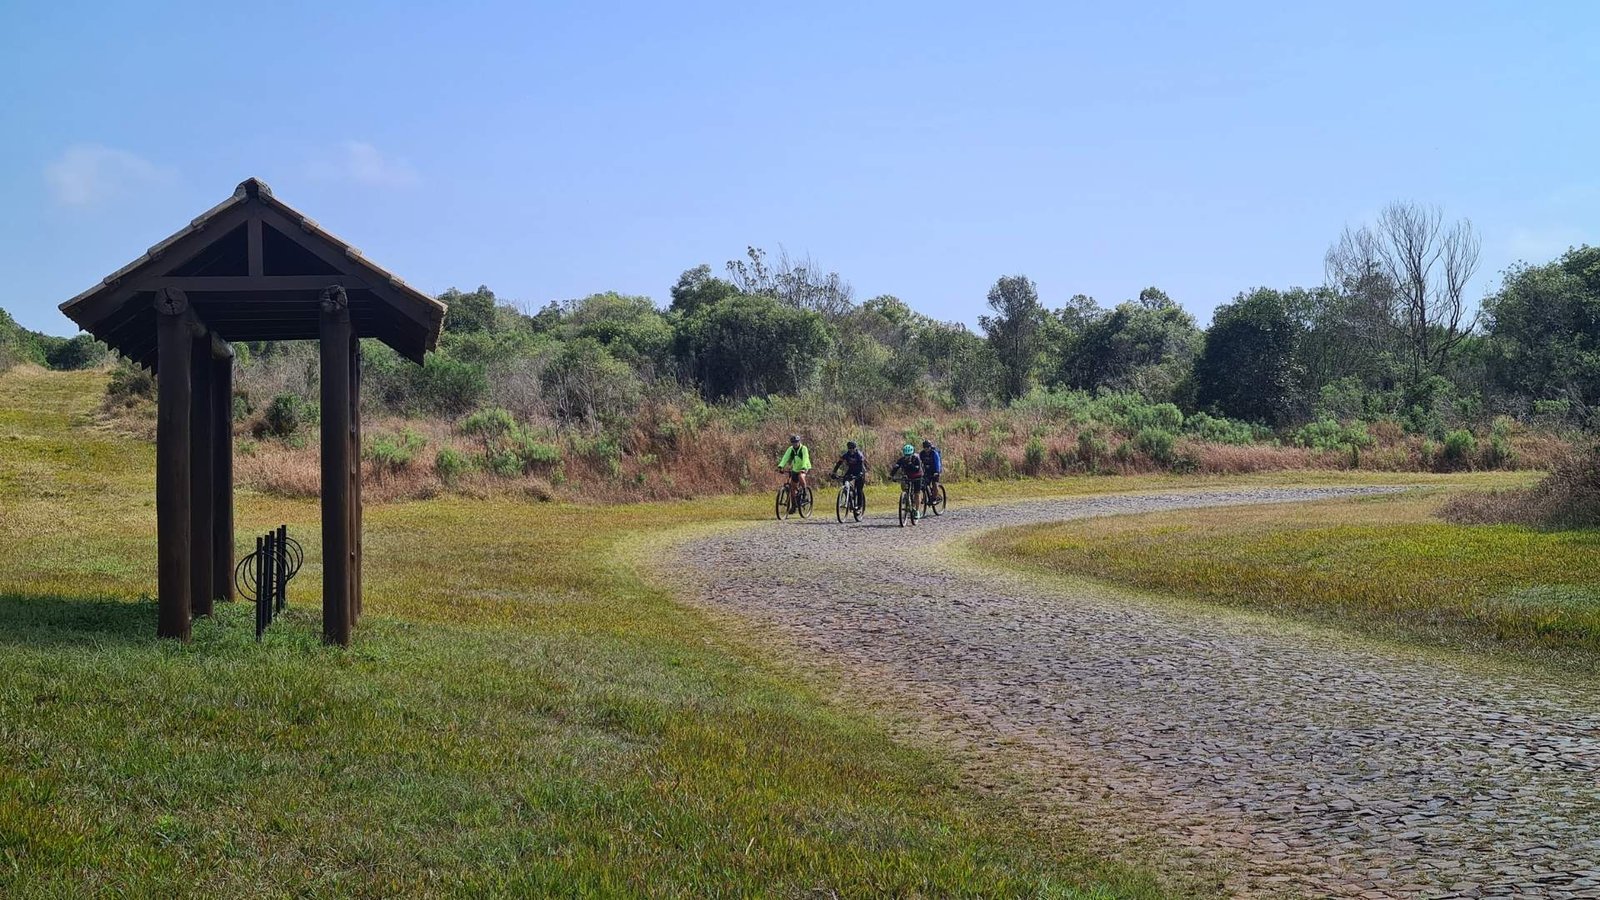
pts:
pixel 665 457
pixel 1569 497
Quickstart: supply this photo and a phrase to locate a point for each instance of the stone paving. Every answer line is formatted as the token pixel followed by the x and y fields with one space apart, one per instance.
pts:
pixel 1308 762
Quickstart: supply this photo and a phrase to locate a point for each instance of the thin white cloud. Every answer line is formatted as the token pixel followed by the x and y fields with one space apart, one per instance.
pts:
pixel 87 174
pixel 362 163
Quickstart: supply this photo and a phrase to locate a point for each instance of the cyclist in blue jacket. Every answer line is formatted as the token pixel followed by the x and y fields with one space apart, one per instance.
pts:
pixel 932 465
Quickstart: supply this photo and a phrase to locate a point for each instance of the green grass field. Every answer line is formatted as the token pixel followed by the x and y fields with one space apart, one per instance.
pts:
pixel 520 714
pixel 1382 565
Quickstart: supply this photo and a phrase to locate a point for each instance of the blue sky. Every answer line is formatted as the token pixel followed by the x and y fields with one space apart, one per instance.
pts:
pixel 924 149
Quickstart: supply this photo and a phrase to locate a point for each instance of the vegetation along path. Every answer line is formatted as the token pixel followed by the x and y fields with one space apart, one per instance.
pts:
pixel 1305 760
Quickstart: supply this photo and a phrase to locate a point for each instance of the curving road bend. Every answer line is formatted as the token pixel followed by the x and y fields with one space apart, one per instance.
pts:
pixel 1304 761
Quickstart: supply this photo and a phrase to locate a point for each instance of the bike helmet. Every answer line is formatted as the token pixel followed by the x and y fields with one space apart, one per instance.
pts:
pixel 849 445
pixel 927 445
pixel 908 449
pixel 794 438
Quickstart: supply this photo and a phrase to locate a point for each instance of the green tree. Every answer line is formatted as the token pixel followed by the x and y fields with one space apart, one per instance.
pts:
pixel 630 328
pixel 1013 332
pixel 751 346
pixel 697 288
pixel 584 383
pixel 1543 326
pixel 469 313
pixel 81 351
pixel 1145 346
pixel 1248 368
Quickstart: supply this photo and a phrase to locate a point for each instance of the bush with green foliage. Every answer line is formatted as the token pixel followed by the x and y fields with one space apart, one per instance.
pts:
pixel 1156 443
pixel 390 454
pixel 1033 456
pixel 1460 449
pixel 1219 430
pixel 451 464
pixel 284 416
pixel 1326 434
pixel 129 386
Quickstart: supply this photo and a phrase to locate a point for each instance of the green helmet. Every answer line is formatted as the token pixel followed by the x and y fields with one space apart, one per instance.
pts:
pixel 908 449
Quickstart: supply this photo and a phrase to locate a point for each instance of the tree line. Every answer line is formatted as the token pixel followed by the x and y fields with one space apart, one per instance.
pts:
pixel 1390 335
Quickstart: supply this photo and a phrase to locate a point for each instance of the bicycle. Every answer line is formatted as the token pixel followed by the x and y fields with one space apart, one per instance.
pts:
pixel 850 501
pixel 934 498
pixel 793 499
pixel 910 499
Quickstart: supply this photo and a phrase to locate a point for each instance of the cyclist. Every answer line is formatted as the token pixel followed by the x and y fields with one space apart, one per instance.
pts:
pixel 797 459
pixel 932 466
pixel 910 465
pixel 854 463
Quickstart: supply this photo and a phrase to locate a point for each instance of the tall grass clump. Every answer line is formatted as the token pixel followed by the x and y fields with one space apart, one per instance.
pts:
pixel 1569 497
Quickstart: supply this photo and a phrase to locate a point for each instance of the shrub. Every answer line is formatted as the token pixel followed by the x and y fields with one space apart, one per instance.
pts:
pixel 283 417
pixel 129 386
pixel 450 463
pixel 1460 447
pixel 1033 456
pixel 391 454
pixel 1092 449
pixel 584 383
pixel 505 463
pixel 1497 451
pixel 79 352
pixel 1326 434
pixel 1155 443
pixel 966 427
pixel 488 424
pixel 448 387
pixel 1429 453
pixel 535 454
pixel 1551 413
pixel 1569 497
pixel 1219 430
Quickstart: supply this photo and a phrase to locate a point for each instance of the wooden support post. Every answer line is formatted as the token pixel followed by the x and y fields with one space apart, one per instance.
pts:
pixel 175 346
pixel 356 547
pixel 222 474
pixel 202 502
pixel 336 415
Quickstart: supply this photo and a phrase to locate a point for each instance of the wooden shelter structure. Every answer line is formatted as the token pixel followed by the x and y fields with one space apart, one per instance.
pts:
pixel 251 268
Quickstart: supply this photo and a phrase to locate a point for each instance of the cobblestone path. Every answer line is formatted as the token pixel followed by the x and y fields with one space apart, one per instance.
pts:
pixel 1308 762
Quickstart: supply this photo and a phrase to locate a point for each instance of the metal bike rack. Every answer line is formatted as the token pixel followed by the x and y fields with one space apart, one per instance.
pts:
pixel 264 576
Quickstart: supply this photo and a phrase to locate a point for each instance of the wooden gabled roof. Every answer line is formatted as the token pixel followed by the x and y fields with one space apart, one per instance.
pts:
pixel 254 269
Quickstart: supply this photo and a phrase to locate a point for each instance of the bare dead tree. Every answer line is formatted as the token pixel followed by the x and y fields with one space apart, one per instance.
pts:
pixel 1410 260
pixel 796 282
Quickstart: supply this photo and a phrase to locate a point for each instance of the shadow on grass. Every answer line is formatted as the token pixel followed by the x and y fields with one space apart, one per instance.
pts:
pixel 55 621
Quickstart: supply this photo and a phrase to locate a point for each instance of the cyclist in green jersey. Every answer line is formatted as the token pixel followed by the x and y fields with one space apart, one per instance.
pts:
pixel 797 460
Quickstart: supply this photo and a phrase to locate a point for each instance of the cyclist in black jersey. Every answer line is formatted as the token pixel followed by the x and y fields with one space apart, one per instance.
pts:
pixel 854 463
pixel 909 465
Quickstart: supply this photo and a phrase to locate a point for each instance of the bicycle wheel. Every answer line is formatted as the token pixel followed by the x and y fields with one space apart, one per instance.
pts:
pixel 905 508
pixel 860 498
pixel 782 504
pixel 842 504
pixel 936 499
pixel 804 506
